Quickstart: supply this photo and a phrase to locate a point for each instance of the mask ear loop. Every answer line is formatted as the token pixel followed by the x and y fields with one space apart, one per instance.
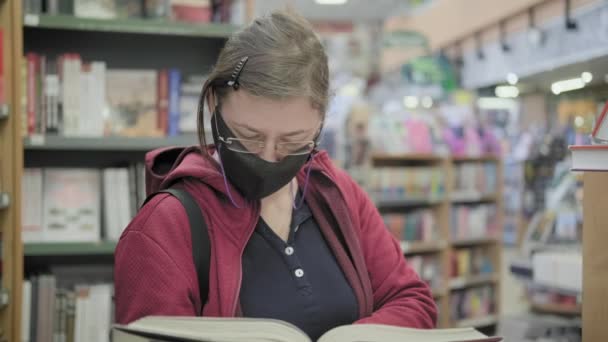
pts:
pixel 299 205
pixel 219 155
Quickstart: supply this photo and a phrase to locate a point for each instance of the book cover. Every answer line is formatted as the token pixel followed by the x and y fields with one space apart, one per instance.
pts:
pixel 163 100
pixel 31 206
pixel 132 101
pixel 71 202
pixel 174 95
pixel 600 130
pixel 190 92
pixel 194 11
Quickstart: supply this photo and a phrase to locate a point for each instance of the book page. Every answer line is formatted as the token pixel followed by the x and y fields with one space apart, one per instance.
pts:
pixel 218 329
pixel 385 333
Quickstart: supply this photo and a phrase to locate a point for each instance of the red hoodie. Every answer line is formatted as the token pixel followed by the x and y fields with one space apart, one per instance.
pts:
pixel 155 273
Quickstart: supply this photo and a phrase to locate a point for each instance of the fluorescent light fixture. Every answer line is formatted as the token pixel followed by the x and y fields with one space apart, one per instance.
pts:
pixel 506 92
pixel 579 121
pixel 410 102
pixel 331 2
pixel 427 102
pixel 586 76
pixel 567 85
pixel 512 78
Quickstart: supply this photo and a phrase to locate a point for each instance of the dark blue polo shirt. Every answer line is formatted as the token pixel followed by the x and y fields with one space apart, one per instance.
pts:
pixel 299 281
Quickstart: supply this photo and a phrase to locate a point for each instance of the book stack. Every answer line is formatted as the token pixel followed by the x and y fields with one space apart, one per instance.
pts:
pixel 474 222
pixel 72 205
pixel 472 303
pixel 406 183
pixel 475 179
pixel 417 225
pixel 471 262
pixel 52 312
pixel 72 97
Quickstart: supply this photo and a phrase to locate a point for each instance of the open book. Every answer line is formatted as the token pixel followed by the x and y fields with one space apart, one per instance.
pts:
pixel 160 328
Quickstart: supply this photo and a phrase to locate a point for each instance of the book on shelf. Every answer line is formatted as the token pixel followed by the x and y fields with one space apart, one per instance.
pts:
pixel 470 303
pixel 53 312
pixel 589 157
pixel 474 222
pixel 244 329
pixel 475 179
pixel 469 262
pixel 72 97
pixel 563 270
pixel 417 225
pixel 404 183
pixel 198 11
pixel 428 267
pixel 80 205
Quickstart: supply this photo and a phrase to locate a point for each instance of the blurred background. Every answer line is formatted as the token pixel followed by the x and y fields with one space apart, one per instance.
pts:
pixel 455 116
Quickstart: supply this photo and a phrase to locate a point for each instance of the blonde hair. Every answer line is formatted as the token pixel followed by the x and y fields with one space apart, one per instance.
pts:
pixel 285 60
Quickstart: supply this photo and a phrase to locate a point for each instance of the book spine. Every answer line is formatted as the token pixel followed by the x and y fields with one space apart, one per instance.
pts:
pixel 31 93
pixel 34 308
pixel 41 95
pixel 163 100
pixel 174 84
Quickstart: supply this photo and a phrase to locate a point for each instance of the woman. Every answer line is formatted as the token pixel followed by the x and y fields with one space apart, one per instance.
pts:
pixel 292 237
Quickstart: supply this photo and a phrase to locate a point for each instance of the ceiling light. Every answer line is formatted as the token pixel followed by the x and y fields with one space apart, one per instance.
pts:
pixel 331 2
pixel 427 102
pixel 567 85
pixel 579 121
pixel 410 102
pixel 506 91
pixel 586 76
pixel 512 78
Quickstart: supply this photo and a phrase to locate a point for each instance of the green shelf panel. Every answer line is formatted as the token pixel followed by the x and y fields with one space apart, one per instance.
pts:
pixel 69 248
pixel 142 26
pixel 113 143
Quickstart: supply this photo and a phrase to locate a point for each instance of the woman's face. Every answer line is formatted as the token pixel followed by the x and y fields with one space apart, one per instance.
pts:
pixel 271 121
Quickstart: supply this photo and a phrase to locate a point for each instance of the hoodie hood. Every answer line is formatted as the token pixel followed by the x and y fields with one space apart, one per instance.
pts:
pixel 166 166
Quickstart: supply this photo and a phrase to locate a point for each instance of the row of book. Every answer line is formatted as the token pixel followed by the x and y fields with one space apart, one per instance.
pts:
pixel 416 225
pixel 428 267
pixel 54 313
pixel 72 97
pixel 195 11
pixel 467 262
pixel 474 222
pixel 475 179
pixel 403 183
pixel 72 205
pixel 476 302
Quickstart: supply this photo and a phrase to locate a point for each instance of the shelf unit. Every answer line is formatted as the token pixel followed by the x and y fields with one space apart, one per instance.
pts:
pixel 136 44
pixel 11 161
pixel 446 245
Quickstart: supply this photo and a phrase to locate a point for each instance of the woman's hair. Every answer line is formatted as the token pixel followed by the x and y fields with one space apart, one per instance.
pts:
pixel 285 60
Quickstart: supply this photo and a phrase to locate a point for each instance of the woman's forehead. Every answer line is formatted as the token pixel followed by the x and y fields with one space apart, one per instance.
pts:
pixel 269 115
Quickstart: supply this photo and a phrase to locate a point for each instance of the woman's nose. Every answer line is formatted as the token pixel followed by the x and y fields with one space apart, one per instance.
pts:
pixel 269 152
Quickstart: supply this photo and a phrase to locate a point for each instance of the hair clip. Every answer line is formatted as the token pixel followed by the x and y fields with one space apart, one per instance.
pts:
pixel 234 78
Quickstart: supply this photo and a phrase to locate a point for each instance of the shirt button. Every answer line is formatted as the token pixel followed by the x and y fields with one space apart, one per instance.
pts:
pixel 299 273
pixel 289 250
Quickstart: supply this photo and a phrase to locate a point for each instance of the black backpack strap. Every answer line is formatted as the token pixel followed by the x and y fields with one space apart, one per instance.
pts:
pixel 201 245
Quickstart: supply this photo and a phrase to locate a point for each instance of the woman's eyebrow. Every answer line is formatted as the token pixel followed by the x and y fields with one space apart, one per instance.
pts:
pixel 253 130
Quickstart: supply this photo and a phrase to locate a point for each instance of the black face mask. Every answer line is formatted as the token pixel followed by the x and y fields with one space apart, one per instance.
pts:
pixel 253 176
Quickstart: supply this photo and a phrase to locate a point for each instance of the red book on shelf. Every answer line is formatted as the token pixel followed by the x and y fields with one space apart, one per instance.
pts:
pixel 589 157
pixel 32 62
pixel 600 130
pixel 163 100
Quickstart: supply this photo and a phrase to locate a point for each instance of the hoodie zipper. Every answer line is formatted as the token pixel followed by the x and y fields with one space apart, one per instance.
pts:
pixel 240 279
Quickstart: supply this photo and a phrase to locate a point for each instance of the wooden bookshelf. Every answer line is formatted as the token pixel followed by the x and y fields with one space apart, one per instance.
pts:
pixel 446 244
pixel 11 161
pixel 595 258
pixel 191 48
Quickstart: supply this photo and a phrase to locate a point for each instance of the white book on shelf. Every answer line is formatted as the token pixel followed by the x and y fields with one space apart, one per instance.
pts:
pixel 92 100
pixel 71 201
pixel 31 206
pixel 124 198
pixel 99 308
pixel 81 310
pixel 109 204
pixel 26 311
pixel 71 95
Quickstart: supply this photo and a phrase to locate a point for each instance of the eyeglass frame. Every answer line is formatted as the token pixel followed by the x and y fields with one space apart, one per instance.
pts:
pixel 230 140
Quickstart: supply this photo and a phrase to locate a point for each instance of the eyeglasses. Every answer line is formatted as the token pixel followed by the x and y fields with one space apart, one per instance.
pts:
pixel 287 148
